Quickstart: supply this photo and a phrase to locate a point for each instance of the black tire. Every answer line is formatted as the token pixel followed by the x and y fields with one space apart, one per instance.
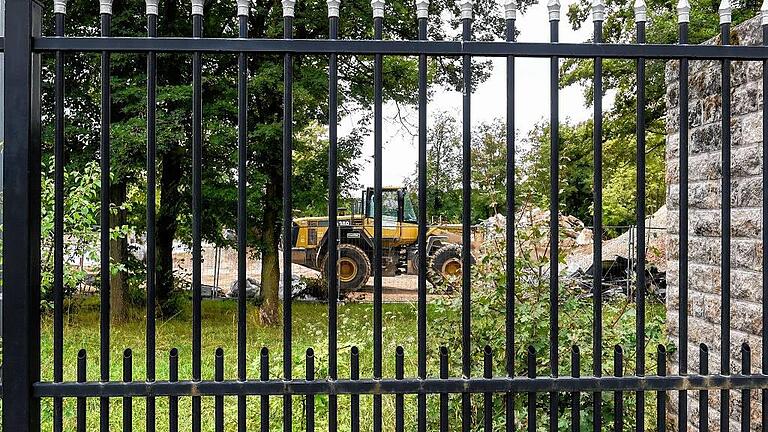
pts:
pixel 445 266
pixel 354 268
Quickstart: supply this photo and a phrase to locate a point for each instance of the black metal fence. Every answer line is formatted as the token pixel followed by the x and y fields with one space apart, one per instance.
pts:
pixel 23 388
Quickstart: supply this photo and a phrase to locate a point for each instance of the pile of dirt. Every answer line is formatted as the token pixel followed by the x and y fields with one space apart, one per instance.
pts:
pixel 572 230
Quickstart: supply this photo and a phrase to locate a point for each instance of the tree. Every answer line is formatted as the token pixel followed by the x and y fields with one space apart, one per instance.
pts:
pixel 619 166
pixel 443 168
pixel 489 168
pixel 220 113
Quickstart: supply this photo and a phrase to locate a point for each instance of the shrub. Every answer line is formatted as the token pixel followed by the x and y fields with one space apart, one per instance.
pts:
pixel 532 312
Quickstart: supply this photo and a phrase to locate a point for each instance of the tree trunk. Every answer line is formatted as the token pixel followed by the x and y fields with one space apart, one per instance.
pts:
pixel 167 224
pixel 269 313
pixel 118 253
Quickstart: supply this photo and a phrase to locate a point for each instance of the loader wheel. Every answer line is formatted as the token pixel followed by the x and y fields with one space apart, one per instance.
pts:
pixel 354 268
pixel 445 266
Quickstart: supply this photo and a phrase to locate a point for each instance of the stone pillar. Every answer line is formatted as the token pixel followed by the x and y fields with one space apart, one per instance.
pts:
pixel 704 218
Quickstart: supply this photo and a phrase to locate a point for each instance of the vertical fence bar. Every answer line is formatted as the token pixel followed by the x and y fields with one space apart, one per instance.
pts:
pixel 173 401
pixel 333 194
pixel 104 264
pixel 466 215
pixel 488 397
pixel 310 398
pixel 243 9
pixel 764 352
pixel 60 10
pixel 703 394
pixel 218 409
pixel 554 198
pixel 618 396
pixel 510 13
pixel 422 14
pixel 399 397
pixel 151 211
pixel 746 405
pixel 443 396
pixel 378 19
pixel 683 16
pixel 354 362
pixel 531 395
pixel 725 244
pixel 82 360
pixel 661 396
pixel 287 213
pixel 575 396
pixel 127 400
pixel 598 15
pixel 264 376
pixel 640 17
pixel 21 210
pixel 197 250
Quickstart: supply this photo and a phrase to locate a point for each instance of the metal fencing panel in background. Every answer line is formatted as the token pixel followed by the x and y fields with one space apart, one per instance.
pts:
pixel 23 388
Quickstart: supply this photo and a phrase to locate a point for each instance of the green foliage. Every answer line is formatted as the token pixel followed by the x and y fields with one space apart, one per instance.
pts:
pixel 532 312
pixel 81 219
pixel 576 160
pixel 619 122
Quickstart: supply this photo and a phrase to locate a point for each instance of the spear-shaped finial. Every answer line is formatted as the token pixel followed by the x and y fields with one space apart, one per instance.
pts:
pixel 60 6
pixel 553 6
pixel 333 8
pixel 197 7
pixel 510 9
pixel 288 7
pixel 105 7
pixel 378 8
pixel 466 8
pixel 598 10
pixel 725 11
pixel 422 8
pixel 683 11
pixel 640 11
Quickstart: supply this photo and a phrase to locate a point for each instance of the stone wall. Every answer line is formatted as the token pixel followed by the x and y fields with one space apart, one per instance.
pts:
pixel 704 218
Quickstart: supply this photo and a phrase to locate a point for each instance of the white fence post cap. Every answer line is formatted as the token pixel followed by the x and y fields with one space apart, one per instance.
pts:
pixel 641 11
pixel 243 7
pixel 288 7
pixel 60 6
pixel 510 9
pixel 378 8
pixel 598 10
pixel 333 8
pixel 105 7
pixel 422 8
pixel 466 8
pixel 553 6
pixel 725 12
pixel 683 11
pixel 197 7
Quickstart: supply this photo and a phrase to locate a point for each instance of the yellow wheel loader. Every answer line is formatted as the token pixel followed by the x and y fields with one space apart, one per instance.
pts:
pixel 400 234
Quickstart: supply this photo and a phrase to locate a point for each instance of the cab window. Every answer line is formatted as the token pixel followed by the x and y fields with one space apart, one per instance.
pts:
pixel 388 206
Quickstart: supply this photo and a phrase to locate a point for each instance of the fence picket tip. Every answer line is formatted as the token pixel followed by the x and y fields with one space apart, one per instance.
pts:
pixel 422 9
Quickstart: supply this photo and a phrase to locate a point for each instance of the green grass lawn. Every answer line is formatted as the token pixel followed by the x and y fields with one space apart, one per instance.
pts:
pixel 310 327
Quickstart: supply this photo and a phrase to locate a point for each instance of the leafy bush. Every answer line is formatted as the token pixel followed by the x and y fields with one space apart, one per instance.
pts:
pixel 532 329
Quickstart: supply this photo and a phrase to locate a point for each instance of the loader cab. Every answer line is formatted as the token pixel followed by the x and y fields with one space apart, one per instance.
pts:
pixel 396 206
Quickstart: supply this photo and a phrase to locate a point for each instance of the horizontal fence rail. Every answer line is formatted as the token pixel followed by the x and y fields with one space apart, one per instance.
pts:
pixel 22 386
pixel 394 47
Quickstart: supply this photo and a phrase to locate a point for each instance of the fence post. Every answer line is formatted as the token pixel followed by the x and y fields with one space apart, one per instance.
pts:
pixel 21 209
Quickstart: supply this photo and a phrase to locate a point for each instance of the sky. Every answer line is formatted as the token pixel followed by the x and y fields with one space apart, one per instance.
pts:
pixel 531 104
